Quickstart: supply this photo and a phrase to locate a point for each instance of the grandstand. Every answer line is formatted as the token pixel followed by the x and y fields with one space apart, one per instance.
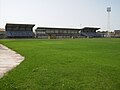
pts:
pixel 56 33
pixel 19 30
pixel 26 31
pixel 89 32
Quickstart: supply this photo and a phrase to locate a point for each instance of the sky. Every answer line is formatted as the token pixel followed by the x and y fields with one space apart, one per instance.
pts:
pixel 61 13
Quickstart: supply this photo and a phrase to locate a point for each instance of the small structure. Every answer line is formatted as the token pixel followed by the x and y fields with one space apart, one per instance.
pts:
pixel 89 32
pixel 56 33
pixel 117 33
pixel 19 30
pixel 2 33
pixel 103 34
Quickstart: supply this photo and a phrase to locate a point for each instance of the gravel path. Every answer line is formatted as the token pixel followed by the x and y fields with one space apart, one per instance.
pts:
pixel 8 59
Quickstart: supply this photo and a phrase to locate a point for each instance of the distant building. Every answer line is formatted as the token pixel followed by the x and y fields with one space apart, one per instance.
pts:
pixel 19 30
pixel 89 32
pixel 2 33
pixel 117 33
pixel 112 34
pixel 105 34
pixel 57 33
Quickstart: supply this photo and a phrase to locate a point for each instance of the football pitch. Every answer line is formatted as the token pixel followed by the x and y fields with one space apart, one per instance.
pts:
pixel 68 64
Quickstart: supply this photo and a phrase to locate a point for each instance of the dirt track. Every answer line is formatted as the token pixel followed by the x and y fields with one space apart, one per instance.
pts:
pixel 8 59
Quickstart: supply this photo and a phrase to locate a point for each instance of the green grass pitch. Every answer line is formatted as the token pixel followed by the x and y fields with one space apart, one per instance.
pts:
pixel 69 64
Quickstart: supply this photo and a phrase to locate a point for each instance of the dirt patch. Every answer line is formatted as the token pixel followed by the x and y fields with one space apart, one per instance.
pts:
pixel 8 59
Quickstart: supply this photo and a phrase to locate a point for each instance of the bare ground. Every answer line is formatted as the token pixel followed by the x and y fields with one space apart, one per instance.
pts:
pixel 8 59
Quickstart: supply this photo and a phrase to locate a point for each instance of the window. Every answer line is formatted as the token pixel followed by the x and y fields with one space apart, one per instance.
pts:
pixel 61 31
pixel 22 28
pixel 48 31
pixel 72 31
pixel 41 32
pixel 52 31
pixel 56 31
pixel 28 28
pixel 69 31
pixel 9 28
pixel 75 31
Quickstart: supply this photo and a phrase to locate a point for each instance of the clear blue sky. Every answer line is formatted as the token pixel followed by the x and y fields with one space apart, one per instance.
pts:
pixel 60 13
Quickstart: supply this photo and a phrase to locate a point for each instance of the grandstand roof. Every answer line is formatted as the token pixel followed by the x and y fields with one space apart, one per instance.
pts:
pixel 19 25
pixel 57 28
pixel 89 28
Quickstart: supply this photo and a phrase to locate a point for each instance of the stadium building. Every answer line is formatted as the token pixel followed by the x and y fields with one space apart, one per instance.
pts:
pixel 117 33
pixel 55 33
pixel 2 33
pixel 26 31
pixel 19 30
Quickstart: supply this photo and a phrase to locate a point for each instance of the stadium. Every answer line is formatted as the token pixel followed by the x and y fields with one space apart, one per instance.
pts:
pixel 59 45
pixel 58 58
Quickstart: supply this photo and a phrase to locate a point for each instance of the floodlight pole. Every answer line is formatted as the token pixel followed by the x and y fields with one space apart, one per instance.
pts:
pixel 108 22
